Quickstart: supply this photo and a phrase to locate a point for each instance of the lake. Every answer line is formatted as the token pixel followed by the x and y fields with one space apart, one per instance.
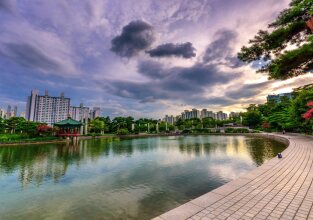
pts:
pixel 117 178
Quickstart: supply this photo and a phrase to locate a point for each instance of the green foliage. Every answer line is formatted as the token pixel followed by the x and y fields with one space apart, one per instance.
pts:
pixel 209 122
pixel 98 125
pixel 236 130
pixel 252 118
pixel 287 65
pixel 15 138
pixel 122 131
pixel 289 28
pixel 287 114
pixel 299 107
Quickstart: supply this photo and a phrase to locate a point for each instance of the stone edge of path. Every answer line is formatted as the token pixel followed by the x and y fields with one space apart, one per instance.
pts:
pixel 194 206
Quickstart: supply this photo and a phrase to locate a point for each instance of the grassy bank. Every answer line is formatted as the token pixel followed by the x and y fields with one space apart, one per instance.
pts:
pixel 20 138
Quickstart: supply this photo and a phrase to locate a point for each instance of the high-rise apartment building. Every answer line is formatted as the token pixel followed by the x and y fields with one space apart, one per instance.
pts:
pixel 95 112
pixel 9 111
pixel 277 98
pixel 233 115
pixel 204 113
pixel 47 109
pixel 221 115
pixel 170 119
pixel 79 113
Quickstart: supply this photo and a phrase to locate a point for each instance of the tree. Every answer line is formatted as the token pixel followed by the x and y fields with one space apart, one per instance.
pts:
pixel 97 126
pixel 252 118
pixel 299 107
pixel 271 47
pixel 209 122
pixel 122 122
pixel 2 125
pixel 309 114
pixel 15 124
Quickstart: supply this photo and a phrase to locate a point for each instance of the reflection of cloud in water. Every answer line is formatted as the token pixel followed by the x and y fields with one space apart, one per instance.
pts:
pixel 231 170
pixel 109 179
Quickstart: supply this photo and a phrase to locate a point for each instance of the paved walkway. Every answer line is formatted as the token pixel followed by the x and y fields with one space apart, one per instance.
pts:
pixel 279 189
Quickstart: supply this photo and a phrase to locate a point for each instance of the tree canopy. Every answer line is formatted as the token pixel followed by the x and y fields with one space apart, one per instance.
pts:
pixel 286 49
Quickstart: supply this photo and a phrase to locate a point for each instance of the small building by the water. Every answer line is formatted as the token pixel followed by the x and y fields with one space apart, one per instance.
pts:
pixel 68 127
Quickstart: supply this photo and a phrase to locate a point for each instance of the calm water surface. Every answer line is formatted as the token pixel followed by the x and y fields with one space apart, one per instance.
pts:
pixel 121 179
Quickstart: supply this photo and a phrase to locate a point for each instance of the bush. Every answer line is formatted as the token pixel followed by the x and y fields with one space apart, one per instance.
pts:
pixel 236 130
pixel 186 131
pixel 201 130
pixel 122 131
pixel 12 138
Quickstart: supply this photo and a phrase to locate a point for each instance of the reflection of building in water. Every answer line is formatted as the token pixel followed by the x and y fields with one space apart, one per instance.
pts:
pixel 52 163
pixel 42 167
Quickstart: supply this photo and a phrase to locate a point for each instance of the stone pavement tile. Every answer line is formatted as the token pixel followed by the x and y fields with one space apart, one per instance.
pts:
pixel 279 189
pixel 157 218
pixel 225 189
pixel 182 212
pixel 207 199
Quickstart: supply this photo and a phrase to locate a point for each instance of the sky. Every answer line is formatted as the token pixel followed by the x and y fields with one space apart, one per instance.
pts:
pixel 142 58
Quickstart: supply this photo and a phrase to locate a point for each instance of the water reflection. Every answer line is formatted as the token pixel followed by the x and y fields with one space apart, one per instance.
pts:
pixel 121 178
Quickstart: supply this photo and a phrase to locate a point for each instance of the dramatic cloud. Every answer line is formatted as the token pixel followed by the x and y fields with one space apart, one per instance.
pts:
pixel 185 50
pixel 248 90
pixel 77 48
pixel 171 83
pixel 7 5
pixel 221 49
pixel 31 57
pixel 136 36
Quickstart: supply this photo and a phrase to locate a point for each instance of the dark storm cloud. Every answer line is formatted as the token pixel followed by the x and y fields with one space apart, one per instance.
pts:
pixel 135 37
pixel 184 83
pixel 221 50
pixel 175 83
pixel 151 69
pixel 185 50
pixel 29 56
pixel 248 90
pixel 6 5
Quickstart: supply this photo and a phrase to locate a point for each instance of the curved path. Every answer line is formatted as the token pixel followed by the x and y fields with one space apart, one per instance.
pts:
pixel 279 189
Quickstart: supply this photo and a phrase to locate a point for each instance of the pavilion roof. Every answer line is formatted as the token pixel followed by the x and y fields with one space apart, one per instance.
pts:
pixel 68 122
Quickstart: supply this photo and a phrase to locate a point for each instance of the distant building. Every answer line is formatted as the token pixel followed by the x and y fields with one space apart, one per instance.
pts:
pixel 95 112
pixel 277 98
pixel 233 115
pixel 211 114
pixel 47 109
pixel 221 116
pixel 204 113
pixel 9 112
pixel 207 114
pixel 14 113
pixel 23 115
pixel 79 113
pixel 170 119
pixel 194 113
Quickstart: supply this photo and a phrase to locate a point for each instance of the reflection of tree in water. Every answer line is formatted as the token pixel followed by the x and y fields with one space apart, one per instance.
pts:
pixel 198 145
pixel 38 163
pixel 262 149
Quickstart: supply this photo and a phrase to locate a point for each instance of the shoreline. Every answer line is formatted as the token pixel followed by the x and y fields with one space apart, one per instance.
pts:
pixel 21 143
pixel 223 202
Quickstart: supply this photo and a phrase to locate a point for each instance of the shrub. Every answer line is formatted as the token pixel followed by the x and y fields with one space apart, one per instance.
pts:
pixel 122 131
pixel 186 131
pixel 236 130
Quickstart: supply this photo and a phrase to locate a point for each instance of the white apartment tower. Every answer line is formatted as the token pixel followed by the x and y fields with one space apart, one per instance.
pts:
pixel 47 109
pixel 79 113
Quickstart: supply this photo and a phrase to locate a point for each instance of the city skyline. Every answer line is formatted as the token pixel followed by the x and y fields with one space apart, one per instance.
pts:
pixel 157 57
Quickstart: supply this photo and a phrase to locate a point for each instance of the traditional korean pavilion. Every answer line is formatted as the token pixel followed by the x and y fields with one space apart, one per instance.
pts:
pixel 68 127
